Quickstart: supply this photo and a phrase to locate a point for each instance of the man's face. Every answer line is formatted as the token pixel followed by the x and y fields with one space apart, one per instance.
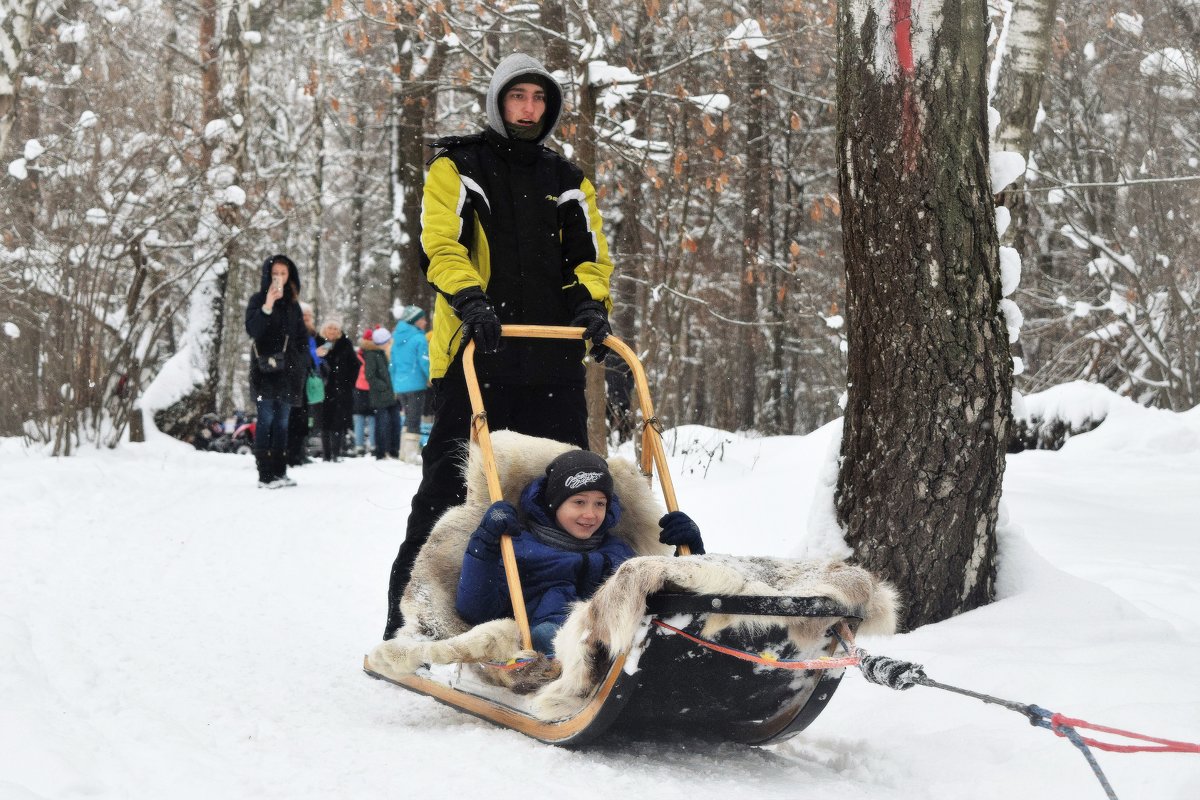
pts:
pixel 524 104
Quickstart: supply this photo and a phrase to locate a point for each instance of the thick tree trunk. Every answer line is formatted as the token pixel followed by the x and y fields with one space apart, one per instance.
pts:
pixel 929 370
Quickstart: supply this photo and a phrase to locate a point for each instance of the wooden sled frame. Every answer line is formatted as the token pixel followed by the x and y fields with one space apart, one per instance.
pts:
pixel 612 693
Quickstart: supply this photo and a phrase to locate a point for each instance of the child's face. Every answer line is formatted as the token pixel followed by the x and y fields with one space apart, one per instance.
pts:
pixel 581 514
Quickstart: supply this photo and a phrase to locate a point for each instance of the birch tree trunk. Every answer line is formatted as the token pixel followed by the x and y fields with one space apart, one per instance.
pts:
pixel 926 423
pixel 1018 92
pixel 15 25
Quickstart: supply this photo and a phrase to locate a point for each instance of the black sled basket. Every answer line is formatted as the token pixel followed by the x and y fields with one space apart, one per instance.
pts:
pixel 672 679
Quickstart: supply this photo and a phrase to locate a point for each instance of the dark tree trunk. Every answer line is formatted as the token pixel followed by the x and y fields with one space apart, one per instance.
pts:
pixel 580 129
pixel 414 103
pixel 757 206
pixel 929 369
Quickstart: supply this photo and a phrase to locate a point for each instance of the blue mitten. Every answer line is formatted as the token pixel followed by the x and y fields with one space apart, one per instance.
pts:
pixel 499 519
pixel 678 528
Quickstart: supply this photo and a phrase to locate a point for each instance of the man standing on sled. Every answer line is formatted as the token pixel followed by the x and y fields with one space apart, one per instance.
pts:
pixel 512 234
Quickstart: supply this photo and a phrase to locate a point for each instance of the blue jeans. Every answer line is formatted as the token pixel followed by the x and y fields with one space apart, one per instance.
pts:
pixel 387 431
pixel 364 430
pixel 543 637
pixel 413 404
pixel 270 429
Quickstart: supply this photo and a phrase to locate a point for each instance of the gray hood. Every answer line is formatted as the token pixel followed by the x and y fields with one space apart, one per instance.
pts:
pixel 514 66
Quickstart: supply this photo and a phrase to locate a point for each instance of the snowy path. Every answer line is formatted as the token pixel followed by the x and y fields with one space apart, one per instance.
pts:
pixel 169 631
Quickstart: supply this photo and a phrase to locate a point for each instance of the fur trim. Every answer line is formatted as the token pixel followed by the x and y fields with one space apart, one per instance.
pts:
pixel 609 622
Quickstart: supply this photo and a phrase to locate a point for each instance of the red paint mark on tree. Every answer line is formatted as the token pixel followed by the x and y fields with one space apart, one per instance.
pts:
pixel 902 11
pixel 902 35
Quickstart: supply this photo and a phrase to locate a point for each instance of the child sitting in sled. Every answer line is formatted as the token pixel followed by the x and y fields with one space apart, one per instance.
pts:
pixel 562 543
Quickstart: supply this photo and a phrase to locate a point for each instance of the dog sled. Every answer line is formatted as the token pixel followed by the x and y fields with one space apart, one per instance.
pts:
pixel 741 649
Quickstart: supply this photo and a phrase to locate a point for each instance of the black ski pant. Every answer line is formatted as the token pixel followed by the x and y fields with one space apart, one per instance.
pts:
pixel 331 443
pixel 556 412
pixel 297 435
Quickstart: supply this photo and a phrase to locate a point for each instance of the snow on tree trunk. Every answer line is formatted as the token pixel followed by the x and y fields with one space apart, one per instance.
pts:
pixel 929 371
pixel 14 36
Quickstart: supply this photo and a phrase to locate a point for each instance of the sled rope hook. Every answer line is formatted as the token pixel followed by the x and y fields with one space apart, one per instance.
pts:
pixel 900 675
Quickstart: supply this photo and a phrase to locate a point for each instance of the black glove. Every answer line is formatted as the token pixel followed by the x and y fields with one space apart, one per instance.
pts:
pixel 678 528
pixel 479 320
pixel 591 315
pixel 499 519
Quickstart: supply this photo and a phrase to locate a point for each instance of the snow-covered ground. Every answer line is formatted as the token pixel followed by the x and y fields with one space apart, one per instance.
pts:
pixel 167 630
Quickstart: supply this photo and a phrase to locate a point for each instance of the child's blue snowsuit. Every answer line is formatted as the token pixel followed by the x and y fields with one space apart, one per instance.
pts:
pixel 551 579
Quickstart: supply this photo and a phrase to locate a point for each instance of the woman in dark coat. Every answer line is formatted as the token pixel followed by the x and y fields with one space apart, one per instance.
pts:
pixel 338 408
pixel 279 362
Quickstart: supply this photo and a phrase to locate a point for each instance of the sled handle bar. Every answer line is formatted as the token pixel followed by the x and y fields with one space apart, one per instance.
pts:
pixel 653 454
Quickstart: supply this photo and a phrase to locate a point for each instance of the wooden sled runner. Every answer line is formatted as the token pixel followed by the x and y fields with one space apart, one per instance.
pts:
pixel 751 666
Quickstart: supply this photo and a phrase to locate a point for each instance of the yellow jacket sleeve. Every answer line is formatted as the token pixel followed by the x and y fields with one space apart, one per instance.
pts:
pixel 585 249
pixel 451 267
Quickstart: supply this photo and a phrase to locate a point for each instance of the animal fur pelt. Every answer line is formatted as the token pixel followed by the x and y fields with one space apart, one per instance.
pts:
pixel 434 634
pixel 607 624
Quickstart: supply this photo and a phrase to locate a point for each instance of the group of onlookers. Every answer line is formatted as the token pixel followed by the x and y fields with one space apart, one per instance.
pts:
pixel 305 380
pixel 394 377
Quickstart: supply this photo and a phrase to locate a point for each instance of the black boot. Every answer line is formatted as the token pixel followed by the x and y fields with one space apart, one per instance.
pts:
pixel 262 460
pixel 280 471
pixel 327 445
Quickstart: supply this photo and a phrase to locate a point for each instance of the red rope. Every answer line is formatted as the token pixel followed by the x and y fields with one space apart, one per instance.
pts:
pixel 516 663
pixel 817 663
pixel 1168 745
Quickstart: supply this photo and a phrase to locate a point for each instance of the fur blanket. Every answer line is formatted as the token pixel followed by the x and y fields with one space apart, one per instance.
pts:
pixel 607 623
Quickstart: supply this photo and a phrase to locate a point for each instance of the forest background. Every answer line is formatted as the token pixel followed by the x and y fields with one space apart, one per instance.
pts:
pixel 155 151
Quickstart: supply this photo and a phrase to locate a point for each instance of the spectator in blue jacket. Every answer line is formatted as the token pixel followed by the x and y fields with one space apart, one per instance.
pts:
pixel 563 542
pixel 409 369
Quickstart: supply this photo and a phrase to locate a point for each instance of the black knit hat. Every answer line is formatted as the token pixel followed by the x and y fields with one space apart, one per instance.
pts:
pixel 573 472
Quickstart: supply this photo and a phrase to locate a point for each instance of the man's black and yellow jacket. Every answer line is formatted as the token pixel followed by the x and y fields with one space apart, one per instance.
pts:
pixel 520 221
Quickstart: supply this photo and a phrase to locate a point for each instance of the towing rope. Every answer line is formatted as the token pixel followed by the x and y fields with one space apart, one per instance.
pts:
pixel 764 658
pixel 900 675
